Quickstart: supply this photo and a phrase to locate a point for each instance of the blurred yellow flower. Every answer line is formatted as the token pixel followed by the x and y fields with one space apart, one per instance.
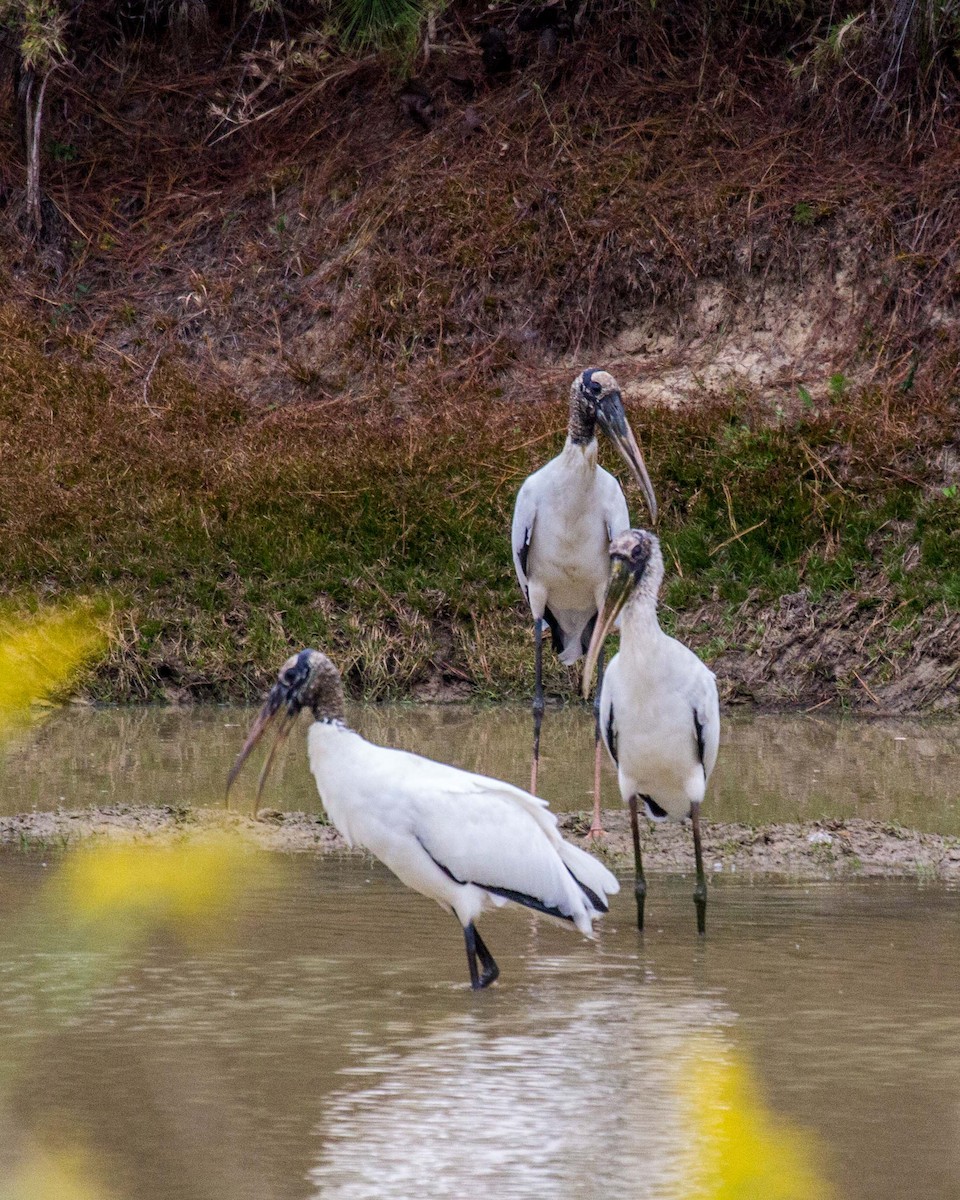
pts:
pixel 45 1174
pixel 127 889
pixel 739 1149
pixel 42 655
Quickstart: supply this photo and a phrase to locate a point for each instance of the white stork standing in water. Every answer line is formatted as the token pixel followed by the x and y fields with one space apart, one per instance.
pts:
pixel 469 842
pixel 659 711
pixel 565 516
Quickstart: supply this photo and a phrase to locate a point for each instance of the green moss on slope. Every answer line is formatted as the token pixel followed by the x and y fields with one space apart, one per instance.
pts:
pixel 226 536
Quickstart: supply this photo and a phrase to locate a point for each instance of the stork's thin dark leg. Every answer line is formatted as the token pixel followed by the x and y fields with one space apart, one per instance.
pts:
pixel 490 969
pixel 537 700
pixel 476 947
pixel 700 891
pixel 640 883
pixel 470 937
pixel 596 829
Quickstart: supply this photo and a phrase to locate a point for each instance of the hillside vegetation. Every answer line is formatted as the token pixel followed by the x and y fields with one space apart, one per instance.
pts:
pixel 297 320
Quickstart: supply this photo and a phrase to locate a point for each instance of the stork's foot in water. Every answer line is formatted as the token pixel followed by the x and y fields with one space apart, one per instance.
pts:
pixel 477 948
pixel 490 975
pixel 640 892
pixel 700 901
pixel 700 891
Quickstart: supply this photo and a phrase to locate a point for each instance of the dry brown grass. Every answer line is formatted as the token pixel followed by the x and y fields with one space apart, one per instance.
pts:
pixel 226 536
pixel 281 386
pixel 335 250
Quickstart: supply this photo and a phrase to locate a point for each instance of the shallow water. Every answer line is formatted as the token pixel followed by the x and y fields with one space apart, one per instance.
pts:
pixel 771 768
pixel 330 1048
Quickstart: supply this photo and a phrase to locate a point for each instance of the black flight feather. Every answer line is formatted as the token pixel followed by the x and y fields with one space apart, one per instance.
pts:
pixel 611 737
pixel 520 897
pixel 698 726
pixel 556 633
pixel 523 554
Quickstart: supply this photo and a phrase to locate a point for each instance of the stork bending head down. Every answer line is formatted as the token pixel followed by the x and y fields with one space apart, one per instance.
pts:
pixel 467 841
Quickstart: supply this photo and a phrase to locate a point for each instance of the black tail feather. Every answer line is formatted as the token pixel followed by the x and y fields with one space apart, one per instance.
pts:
pixel 556 633
pixel 600 905
pixel 526 901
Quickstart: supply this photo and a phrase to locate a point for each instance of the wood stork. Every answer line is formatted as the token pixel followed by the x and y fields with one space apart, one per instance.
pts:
pixel 659 711
pixel 565 515
pixel 468 842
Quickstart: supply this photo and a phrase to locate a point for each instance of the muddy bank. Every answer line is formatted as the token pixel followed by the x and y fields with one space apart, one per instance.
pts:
pixel 815 850
pixel 844 652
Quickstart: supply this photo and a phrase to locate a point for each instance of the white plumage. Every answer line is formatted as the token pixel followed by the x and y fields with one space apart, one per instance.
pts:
pixel 467 841
pixel 564 518
pixel 655 692
pixel 659 709
pixel 462 839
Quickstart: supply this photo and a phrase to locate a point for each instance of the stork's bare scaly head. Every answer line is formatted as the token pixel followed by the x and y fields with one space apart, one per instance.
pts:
pixel 636 568
pixel 637 553
pixel 306 680
pixel 595 400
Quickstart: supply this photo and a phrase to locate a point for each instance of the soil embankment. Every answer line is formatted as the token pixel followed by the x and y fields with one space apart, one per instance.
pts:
pixel 287 349
pixel 817 850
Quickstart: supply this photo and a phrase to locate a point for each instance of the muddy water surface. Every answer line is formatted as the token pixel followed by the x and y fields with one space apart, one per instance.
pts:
pixel 327 1045
pixel 771 768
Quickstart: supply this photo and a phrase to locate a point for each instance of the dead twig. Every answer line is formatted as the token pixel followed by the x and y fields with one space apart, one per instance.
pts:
pixel 736 537
pixel 146 384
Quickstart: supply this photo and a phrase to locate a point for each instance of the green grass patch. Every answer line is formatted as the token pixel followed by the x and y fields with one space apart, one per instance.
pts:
pixel 227 536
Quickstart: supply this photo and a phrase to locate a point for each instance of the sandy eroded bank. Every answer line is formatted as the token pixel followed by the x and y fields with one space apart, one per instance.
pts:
pixel 851 848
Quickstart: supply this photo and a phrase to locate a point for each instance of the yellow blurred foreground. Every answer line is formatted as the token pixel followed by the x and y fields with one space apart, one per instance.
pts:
pixel 119 892
pixel 43 1173
pixel 739 1150
pixel 103 903
pixel 42 655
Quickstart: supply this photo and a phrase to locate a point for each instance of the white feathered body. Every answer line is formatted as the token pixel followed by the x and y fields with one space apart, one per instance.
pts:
pixel 655 694
pixel 450 834
pixel 565 515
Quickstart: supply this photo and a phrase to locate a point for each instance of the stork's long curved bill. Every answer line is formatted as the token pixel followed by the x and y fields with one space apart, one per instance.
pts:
pixel 614 420
pixel 627 445
pixel 272 709
pixel 619 589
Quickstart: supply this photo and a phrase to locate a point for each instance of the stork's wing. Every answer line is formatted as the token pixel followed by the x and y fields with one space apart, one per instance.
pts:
pixel 466 789
pixel 608 712
pixel 524 516
pixel 706 720
pixel 484 831
pixel 615 512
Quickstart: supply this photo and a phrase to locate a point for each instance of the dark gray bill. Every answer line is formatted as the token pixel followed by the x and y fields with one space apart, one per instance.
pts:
pixel 619 589
pixel 273 707
pixel 613 421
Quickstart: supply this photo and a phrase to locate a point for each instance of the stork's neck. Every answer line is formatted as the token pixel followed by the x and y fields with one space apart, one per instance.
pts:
pixel 327 700
pixel 639 624
pixel 580 457
pixel 581 427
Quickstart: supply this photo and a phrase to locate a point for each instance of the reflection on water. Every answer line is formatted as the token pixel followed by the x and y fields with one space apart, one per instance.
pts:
pixel 571 1090
pixel 781 768
pixel 330 1046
